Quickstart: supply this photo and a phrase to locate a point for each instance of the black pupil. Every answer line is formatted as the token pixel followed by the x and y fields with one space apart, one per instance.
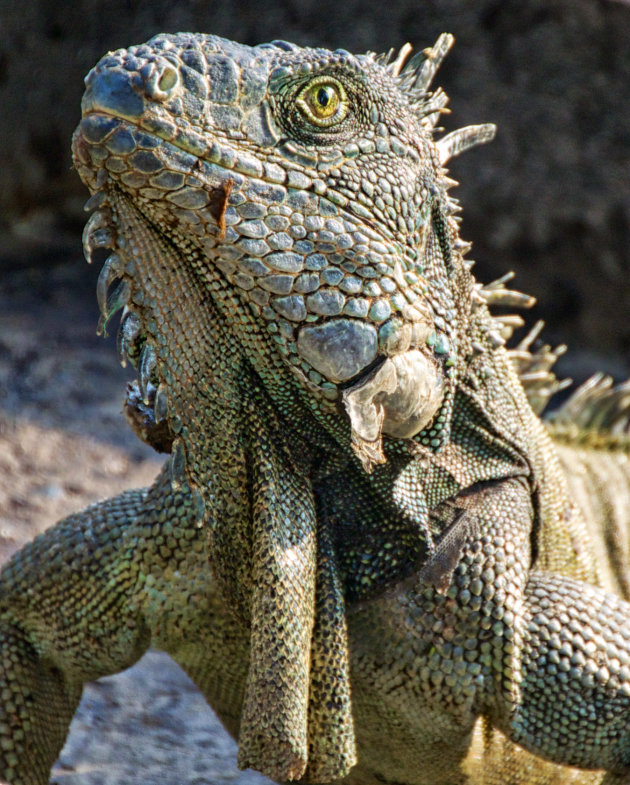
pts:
pixel 324 96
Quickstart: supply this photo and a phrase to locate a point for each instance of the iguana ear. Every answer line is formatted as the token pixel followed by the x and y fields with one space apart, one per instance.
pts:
pixel 414 77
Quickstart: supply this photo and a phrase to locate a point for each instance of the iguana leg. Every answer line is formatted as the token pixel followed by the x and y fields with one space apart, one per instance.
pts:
pixel 64 620
pixel 575 693
pixel 551 654
pixel 444 646
pixel 545 658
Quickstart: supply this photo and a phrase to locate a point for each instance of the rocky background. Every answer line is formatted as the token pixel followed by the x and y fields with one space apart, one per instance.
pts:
pixel 550 199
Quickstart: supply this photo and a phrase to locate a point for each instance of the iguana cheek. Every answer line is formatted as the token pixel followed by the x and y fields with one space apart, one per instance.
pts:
pixel 416 397
pixel 398 398
pixel 340 348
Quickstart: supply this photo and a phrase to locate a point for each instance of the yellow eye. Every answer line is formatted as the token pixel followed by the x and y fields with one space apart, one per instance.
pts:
pixel 323 101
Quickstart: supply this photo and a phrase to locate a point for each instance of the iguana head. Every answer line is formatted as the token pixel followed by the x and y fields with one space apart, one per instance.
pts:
pixel 307 183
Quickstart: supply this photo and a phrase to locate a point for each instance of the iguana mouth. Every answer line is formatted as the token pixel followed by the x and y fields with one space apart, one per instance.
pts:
pixel 382 397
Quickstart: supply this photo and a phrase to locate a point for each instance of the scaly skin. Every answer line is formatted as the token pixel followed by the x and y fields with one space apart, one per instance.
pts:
pixel 364 550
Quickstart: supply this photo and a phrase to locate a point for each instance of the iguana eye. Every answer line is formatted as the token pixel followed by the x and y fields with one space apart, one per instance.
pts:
pixel 323 101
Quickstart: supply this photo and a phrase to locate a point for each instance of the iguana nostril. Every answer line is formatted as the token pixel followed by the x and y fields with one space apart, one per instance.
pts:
pixel 169 79
pixel 162 82
pixel 158 79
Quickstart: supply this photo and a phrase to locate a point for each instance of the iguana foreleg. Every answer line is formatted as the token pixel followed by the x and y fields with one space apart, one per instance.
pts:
pixel 65 618
pixel 575 706
pixel 544 658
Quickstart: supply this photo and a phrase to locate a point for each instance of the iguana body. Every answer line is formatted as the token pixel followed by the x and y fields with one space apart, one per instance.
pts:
pixel 363 550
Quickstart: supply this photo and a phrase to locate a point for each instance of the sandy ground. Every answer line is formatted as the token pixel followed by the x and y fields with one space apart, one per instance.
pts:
pixel 64 444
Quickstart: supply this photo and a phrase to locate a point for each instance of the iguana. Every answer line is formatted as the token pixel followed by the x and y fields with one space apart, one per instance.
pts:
pixel 364 548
